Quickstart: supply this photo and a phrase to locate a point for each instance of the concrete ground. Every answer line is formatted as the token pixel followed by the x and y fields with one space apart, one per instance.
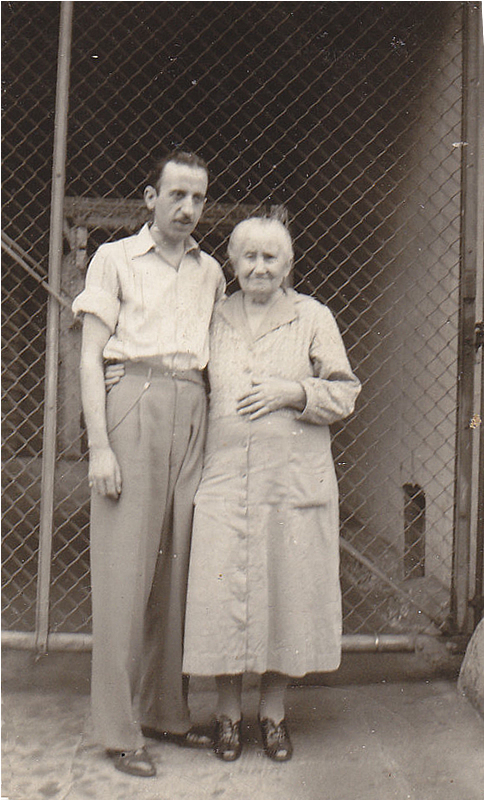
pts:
pixel 384 727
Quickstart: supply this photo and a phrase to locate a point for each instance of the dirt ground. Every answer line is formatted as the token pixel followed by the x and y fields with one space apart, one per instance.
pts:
pixel 381 728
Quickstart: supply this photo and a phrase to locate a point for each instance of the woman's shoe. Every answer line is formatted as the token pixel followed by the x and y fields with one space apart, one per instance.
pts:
pixel 133 762
pixel 275 740
pixel 227 744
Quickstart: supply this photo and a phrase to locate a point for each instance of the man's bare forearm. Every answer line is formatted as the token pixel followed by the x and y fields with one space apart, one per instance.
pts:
pixel 93 396
pixel 104 472
pixel 93 392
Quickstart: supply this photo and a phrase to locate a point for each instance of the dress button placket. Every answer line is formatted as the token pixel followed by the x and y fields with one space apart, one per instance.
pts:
pixel 245 626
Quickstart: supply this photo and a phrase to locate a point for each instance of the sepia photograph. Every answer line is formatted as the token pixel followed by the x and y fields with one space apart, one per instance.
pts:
pixel 242 401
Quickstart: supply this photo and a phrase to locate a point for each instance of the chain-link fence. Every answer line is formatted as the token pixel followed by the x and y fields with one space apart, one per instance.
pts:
pixel 347 117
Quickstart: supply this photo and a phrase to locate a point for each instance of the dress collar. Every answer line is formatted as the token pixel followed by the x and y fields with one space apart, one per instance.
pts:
pixel 281 312
pixel 142 242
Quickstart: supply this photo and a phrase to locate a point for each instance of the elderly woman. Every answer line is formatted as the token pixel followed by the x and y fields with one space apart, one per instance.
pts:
pixel 263 589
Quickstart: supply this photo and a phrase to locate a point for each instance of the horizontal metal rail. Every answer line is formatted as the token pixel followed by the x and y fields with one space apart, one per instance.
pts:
pixel 351 643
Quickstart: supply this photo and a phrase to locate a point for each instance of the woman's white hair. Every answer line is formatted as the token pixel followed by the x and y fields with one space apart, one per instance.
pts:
pixel 239 233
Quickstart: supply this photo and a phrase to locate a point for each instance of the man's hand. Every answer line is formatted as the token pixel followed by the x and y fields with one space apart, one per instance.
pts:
pixel 104 472
pixel 271 394
pixel 113 374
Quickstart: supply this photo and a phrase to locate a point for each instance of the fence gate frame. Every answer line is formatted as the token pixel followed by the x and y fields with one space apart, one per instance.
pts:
pixel 471 255
pixel 467 578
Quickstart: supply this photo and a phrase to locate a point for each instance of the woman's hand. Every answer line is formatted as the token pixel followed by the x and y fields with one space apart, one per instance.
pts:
pixel 271 394
pixel 113 374
pixel 104 472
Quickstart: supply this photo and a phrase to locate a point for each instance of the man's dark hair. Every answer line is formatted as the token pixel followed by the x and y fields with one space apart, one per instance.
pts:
pixel 177 157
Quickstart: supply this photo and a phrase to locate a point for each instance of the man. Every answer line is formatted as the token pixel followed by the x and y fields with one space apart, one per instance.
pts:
pixel 148 302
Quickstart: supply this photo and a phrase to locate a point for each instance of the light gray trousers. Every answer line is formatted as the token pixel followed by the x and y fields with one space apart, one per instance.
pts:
pixel 140 547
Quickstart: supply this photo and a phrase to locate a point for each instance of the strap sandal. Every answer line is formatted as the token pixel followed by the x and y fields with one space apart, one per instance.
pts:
pixel 227 743
pixel 275 740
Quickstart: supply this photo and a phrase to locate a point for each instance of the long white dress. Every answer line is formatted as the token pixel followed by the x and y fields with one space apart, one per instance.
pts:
pixel 263 589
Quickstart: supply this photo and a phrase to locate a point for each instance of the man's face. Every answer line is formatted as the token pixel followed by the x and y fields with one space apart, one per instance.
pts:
pixel 178 203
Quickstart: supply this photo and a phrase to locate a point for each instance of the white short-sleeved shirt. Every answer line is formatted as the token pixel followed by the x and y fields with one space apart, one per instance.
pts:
pixel 152 309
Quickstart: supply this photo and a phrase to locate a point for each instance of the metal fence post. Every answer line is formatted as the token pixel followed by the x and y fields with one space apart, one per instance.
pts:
pixel 466 434
pixel 52 340
pixel 478 602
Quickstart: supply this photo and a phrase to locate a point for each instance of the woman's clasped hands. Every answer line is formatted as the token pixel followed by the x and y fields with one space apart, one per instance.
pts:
pixel 271 394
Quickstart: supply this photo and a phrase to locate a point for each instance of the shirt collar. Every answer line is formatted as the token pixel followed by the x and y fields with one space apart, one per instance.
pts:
pixel 281 313
pixel 143 242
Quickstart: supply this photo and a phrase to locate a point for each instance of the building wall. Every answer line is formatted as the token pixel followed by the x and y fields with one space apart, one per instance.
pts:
pixel 406 423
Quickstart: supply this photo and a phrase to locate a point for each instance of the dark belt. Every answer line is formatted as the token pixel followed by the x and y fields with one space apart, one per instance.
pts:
pixel 149 370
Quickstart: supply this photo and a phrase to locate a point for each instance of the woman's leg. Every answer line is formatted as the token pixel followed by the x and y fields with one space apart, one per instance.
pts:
pixel 227 743
pixel 229 703
pixel 275 737
pixel 272 696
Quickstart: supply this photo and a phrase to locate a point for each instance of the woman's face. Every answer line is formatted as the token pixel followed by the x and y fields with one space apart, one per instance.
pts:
pixel 261 264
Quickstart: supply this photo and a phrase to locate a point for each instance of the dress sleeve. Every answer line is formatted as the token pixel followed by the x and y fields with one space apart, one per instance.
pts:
pixel 101 294
pixel 221 286
pixel 331 394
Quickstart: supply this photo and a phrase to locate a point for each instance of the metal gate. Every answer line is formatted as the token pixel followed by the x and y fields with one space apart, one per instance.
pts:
pixel 360 121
